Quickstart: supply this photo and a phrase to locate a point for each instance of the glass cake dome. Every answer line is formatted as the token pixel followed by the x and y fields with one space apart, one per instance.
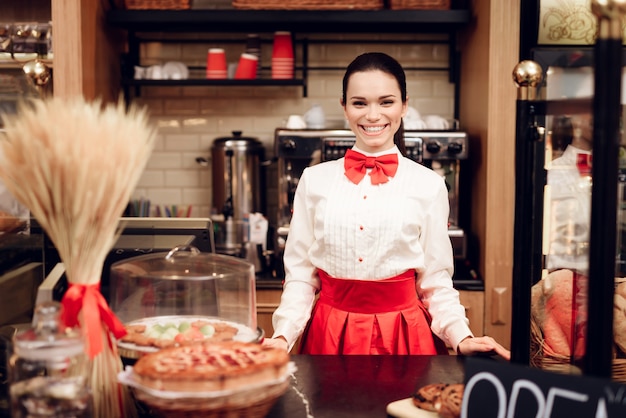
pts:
pixel 185 286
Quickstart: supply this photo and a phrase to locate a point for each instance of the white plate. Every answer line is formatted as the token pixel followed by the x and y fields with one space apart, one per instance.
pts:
pixel 404 408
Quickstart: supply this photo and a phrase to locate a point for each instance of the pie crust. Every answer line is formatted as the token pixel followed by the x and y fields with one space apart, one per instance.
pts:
pixel 209 367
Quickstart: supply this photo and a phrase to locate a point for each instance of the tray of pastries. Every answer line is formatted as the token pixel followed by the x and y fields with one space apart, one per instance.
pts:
pixel 435 400
pixel 152 334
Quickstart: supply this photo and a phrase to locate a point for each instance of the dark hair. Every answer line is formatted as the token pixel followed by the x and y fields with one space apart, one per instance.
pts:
pixel 562 133
pixel 371 61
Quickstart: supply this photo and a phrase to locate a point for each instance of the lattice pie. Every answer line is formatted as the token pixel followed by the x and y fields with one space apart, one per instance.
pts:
pixel 211 367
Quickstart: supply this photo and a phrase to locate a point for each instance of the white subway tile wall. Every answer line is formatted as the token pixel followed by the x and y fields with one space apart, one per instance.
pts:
pixel 189 119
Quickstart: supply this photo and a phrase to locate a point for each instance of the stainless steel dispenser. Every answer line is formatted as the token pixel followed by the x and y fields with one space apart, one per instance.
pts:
pixel 238 188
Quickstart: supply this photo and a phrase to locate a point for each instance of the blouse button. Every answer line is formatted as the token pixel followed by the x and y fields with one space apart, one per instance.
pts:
pixel 360 259
pixel 361 227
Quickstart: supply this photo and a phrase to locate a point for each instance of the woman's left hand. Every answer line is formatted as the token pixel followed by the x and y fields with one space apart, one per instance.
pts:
pixel 482 345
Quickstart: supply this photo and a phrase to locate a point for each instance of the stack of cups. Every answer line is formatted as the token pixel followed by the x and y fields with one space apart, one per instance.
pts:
pixel 253 47
pixel 216 64
pixel 246 69
pixel 282 56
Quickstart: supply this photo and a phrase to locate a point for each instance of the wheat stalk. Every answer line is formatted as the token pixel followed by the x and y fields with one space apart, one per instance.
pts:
pixel 75 164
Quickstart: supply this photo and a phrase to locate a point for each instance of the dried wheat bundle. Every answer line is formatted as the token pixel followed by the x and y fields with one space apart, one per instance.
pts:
pixel 75 164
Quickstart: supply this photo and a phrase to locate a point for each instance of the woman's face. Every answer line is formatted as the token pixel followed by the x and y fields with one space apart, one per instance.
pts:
pixel 374 109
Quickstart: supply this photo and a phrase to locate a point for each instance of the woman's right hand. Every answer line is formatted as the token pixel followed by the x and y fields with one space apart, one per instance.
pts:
pixel 278 342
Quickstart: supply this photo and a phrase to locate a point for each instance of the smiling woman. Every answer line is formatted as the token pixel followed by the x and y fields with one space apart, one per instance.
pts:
pixel 374 246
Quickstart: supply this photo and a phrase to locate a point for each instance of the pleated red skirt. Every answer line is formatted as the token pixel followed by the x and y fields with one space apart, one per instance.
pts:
pixel 370 317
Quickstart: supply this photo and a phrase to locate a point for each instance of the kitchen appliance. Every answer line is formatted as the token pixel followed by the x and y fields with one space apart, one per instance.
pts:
pixel 443 151
pixel 238 187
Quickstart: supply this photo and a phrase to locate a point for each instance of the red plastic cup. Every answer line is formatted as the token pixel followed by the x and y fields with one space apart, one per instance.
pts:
pixel 216 64
pixel 246 69
pixel 282 68
pixel 283 46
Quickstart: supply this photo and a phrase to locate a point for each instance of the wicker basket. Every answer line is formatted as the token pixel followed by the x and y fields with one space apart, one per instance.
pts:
pixel 419 4
pixel 158 4
pixel 309 4
pixel 561 364
pixel 247 404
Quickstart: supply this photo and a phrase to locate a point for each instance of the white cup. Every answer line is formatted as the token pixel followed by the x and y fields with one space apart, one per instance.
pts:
pixel 140 72
pixel 295 122
pixel 436 122
pixel 154 72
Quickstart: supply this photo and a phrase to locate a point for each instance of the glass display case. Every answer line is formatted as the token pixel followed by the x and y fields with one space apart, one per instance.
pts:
pixel 182 296
pixel 570 248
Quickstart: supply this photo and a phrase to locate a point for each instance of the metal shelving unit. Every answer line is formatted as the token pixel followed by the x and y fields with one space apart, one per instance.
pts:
pixel 168 26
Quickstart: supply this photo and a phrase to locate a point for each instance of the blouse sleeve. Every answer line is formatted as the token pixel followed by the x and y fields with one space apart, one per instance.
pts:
pixel 434 284
pixel 301 280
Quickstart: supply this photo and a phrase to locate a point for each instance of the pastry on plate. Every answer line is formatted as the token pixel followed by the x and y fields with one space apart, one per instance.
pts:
pixel 451 399
pixel 443 399
pixel 427 397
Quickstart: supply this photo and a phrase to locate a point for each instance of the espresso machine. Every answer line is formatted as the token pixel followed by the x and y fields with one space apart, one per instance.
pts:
pixel 442 151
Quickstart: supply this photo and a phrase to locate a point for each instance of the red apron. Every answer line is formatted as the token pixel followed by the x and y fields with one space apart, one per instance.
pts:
pixel 370 317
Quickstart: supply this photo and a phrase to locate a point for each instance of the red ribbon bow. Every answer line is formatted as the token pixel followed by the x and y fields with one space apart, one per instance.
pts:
pixel 356 165
pixel 95 310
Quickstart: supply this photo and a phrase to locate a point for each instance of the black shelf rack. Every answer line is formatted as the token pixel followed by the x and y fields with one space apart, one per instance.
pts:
pixel 165 24
pixel 316 21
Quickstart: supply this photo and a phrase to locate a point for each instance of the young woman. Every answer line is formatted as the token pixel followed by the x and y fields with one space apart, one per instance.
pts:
pixel 369 238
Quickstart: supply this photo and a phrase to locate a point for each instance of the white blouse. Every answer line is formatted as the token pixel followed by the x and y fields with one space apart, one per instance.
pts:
pixel 370 232
pixel 569 213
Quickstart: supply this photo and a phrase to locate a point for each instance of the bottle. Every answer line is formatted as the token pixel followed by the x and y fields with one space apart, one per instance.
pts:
pixel 49 369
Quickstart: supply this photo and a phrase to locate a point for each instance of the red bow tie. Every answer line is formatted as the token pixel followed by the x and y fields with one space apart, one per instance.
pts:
pixel 382 167
pixel 584 163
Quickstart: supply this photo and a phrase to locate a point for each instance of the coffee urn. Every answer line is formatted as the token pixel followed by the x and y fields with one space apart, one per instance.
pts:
pixel 238 188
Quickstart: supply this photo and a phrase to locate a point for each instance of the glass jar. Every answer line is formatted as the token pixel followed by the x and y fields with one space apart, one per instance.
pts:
pixel 49 369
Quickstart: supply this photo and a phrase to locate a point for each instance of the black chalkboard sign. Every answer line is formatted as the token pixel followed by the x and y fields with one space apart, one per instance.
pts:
pixel 503 390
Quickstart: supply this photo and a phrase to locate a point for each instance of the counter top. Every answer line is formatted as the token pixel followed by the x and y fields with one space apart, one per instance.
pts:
pixel 359 386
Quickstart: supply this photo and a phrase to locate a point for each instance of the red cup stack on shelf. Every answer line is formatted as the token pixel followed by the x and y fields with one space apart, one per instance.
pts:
pixel 246 69
pixel 282 56
pixel 216 67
